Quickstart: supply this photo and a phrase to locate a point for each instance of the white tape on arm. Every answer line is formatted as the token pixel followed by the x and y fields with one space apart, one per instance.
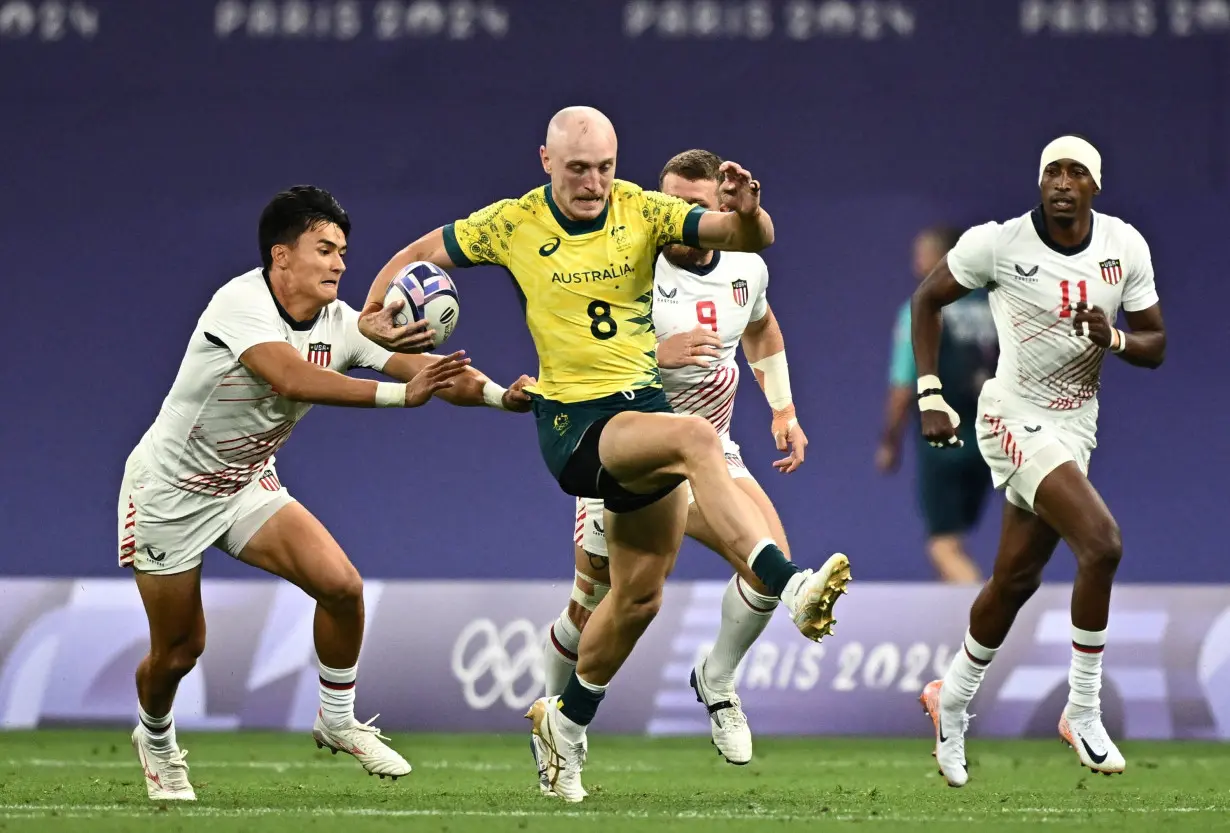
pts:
pixel 493 395
pixel 776 379
pixel 390 395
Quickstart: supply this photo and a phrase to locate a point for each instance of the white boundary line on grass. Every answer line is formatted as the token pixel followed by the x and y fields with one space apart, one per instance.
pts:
pixel 1006 814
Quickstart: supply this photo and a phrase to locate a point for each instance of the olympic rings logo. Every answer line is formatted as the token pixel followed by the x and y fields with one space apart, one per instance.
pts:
pixel 499 664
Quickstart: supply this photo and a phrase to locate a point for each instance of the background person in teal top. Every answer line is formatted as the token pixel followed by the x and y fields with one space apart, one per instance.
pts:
pixel 952 485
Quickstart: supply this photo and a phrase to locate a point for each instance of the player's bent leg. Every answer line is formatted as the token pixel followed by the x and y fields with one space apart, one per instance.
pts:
pixel 645 452
pixel 177 638
pixel 642 544
pixel 1069 503
pixel 1026 545
pixel 294 545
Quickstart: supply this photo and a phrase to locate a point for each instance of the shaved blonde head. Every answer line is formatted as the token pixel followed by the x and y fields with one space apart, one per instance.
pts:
pixel 579 156
pixel 578 124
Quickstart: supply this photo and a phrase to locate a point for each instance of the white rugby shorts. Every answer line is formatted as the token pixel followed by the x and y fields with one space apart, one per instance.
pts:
pixel 588 529
pixel 1022 442
pixel 165 530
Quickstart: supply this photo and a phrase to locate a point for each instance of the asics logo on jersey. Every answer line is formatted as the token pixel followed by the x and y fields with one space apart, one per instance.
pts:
pixel 1093 756
pixel 662 291
pixel 1026 273
pixel 549 247
pixel 499 663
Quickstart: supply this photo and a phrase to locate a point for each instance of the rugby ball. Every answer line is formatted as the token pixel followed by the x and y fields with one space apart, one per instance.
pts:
pixel 430 295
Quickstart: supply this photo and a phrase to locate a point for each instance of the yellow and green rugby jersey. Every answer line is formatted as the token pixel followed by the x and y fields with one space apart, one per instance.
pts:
pixel 587 286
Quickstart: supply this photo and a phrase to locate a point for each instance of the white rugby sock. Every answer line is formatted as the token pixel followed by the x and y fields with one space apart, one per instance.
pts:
pixel 559 654
pixel 159 730
pixel 745 615
pixel 1085 672
pixel 965 674
pixel 337 695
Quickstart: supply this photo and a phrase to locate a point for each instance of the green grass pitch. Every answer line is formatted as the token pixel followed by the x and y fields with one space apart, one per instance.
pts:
pixel 89 780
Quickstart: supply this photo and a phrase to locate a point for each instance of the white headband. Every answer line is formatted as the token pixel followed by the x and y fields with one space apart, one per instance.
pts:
pixel 1076 149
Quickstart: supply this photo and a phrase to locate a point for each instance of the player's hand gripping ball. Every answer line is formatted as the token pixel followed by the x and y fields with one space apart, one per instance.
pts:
pixel 429 295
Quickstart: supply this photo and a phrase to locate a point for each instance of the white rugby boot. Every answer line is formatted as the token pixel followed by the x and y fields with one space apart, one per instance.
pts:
pixel 365 743
pixel 812 600
pixel 727 722
pixel 559 760
pixel 1082 729
pixel 950 728
pixel 166 770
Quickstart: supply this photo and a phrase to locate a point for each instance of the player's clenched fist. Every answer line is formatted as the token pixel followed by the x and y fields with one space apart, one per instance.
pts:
pixel 939 420
pixel 515 398
pixel 1092 323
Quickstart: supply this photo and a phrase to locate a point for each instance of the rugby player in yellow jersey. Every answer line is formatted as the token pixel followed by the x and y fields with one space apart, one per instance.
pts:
pixel 581 251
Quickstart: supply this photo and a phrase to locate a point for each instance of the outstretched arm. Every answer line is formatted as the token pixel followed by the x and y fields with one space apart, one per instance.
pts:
pixel 294 378
pixel 469 389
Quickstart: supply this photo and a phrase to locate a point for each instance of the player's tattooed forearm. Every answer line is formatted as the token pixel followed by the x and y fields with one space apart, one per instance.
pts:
pixel 598 562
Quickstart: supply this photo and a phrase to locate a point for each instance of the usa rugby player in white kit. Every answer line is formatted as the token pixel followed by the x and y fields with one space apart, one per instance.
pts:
pixel 705 304
pixel 1057 277
pixel 270 344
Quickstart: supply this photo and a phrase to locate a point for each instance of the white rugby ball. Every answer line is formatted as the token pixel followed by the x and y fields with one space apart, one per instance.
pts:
pixel 430 295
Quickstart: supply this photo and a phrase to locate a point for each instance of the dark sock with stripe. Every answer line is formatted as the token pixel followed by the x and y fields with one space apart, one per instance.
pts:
pixel 772 567
pixel 579 702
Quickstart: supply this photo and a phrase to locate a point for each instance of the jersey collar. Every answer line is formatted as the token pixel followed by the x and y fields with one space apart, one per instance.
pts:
pixel 703 270
pixel 302 326
pixel 1045 236
pixel 575 227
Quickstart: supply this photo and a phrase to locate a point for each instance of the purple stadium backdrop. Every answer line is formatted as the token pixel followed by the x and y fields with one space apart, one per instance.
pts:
pixel 141 138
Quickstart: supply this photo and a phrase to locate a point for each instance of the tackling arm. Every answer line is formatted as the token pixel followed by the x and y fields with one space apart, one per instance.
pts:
pixel 285 370
pixel 470 389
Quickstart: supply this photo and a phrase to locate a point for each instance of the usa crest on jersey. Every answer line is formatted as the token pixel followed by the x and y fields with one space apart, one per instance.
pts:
pixel 1112 271
pixel 740 291
pixel 320 353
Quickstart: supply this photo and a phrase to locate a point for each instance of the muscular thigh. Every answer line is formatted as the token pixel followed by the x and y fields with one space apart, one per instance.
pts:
pixel 174 610
pixel 643 544
pixel 293 544
pixel 1026 544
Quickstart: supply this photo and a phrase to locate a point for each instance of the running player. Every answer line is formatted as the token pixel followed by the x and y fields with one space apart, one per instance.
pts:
pixel 706 303
pixel 581 251
pixel 270 344
pixel 1057 278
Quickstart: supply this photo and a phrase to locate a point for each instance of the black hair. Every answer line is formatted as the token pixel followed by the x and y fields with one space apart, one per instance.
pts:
pixel 294 211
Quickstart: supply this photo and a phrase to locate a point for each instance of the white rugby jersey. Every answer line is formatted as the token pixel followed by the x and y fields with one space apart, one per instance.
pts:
pixel 221 423
pixel 724 296
pixel 1033 281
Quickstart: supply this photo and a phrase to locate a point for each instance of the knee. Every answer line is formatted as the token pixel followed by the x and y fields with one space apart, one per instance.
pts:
pixel 180 656
pixel 638 609
pixel 1016 589
pixel 343 589
pixel 697 437
pixel 1104 549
